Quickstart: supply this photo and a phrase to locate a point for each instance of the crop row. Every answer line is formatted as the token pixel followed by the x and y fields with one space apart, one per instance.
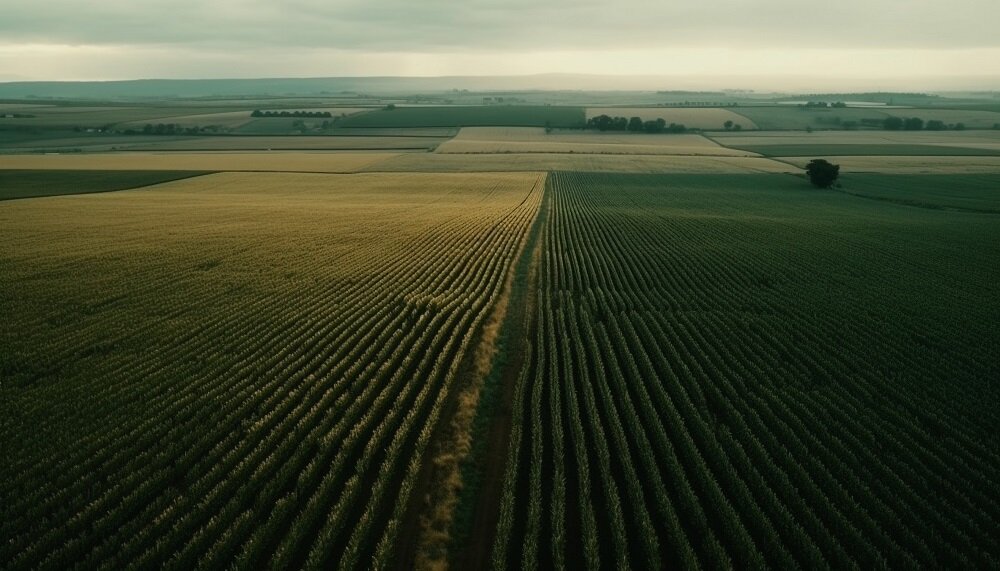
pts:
pixel 720 378
pixel 285 431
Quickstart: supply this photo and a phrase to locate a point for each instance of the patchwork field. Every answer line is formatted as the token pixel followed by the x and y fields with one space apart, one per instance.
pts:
pixel 226 143
pixel 493 140
pixel 276 161
pixel 525 350
pixel 289 350
pixel 693 118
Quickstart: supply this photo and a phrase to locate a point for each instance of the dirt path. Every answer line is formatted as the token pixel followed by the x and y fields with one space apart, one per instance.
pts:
pixel 478 547
pixel 424 536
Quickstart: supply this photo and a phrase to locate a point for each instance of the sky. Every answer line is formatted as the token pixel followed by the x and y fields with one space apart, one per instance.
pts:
pixel 858 44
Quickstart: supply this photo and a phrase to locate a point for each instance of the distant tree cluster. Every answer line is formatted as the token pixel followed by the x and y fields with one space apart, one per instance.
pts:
pixel 633 125
pixel 699 104
pixel 918 124
pixel 305 114
pixel 730 126
pixel 170 129
pixel 824 104
pixel 16 116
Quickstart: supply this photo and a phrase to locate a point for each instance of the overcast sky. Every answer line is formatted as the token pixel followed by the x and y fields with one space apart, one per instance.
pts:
pixel 863 43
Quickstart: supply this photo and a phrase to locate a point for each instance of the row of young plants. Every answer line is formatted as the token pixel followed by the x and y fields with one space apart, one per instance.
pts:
pixel 703 389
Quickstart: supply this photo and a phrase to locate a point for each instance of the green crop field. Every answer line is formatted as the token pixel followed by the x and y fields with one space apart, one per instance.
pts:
pixel 36 183
pixel 487 116
pixel 742 371
pixel 970 193
pixel 819 150
pixel 784 117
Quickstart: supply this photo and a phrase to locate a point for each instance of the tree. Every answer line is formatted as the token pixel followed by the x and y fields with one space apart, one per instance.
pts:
pixel 822 173
pixel 913 124
pixel 892 123
pixel 728 125
pixel 635 124
pixel 935 125
pixel 601 122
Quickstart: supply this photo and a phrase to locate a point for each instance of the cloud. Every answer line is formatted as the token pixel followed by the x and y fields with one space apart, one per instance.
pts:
pixel 489 25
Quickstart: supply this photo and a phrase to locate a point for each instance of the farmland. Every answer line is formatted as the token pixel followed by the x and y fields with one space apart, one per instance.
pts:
pixel 693 118
pixel 491 140
pixel 957 165
pixel 277 348
pixel 31 184
pixel 481 337
pixel 884 143
pixel 221 161
pixel 466 162
pixel 458 116
pixel 730 371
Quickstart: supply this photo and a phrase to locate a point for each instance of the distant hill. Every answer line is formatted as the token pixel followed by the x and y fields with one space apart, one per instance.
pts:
pixel 306 87
pixel 669 88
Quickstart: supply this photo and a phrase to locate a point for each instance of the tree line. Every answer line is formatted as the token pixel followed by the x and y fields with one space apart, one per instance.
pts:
pixel 633 125
pixel 306 114
pixel 918 124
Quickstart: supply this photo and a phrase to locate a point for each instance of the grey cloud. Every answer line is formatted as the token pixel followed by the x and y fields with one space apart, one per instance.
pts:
pixel 446 25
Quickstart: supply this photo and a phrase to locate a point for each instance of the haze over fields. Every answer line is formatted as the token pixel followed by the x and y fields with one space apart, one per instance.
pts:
pixel 774 44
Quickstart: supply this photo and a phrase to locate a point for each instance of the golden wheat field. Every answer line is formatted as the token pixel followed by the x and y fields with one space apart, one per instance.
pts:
pixel 536 140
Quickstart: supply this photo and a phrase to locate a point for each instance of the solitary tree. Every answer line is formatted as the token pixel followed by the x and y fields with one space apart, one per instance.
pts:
pixel 822 173
pixel 728 125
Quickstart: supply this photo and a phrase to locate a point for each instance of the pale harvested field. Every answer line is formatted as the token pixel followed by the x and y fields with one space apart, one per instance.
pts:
pixel 492 140
pixel 988 138
pixel 274 161
pixel 435 162
pixel 696 118
pixel 911 165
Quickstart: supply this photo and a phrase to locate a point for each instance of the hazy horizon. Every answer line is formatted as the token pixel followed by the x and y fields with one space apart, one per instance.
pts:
pixel 771 44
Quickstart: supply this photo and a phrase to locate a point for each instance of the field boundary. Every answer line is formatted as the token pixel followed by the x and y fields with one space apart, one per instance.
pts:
pixel 183 175
pixel 421 542
pixel 473 542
